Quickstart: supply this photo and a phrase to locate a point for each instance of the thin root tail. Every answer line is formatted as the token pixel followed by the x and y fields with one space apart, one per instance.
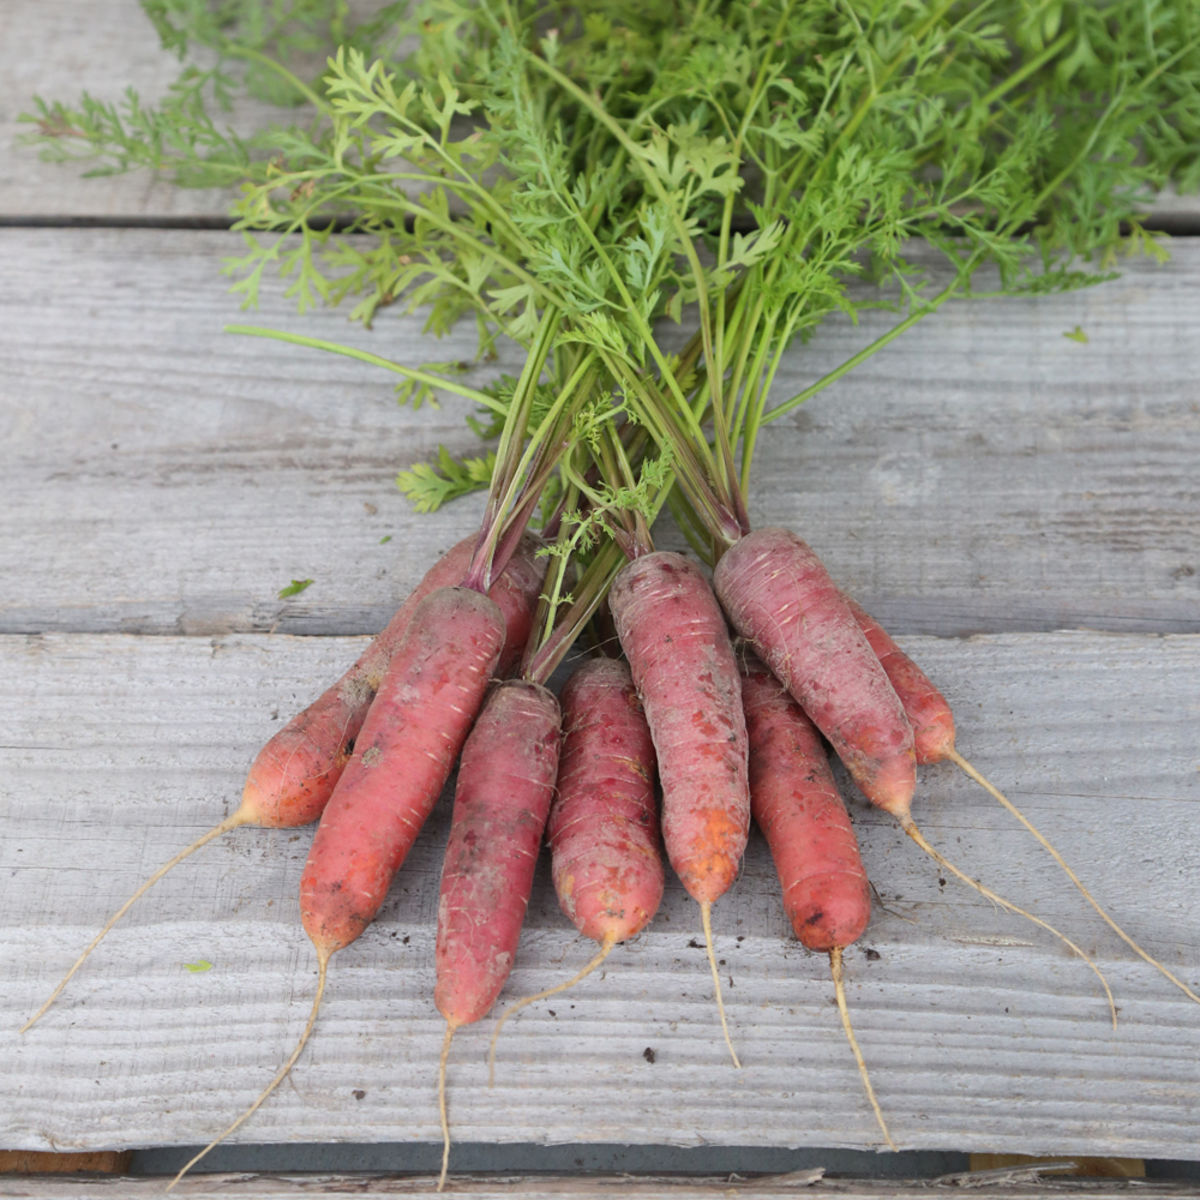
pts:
pixel 231 822
pixel 839 991
pixel 913 832
pixel 1002 799
pixel 443 1112
pixel 280 1076
pixel 706 922
pixel 605 948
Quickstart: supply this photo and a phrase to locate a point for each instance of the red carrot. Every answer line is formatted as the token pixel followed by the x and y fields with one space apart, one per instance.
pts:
pixel 779 596
pixel 603 831
pixel 927 710
pixel 421 716
pixel 605 860
pixel 933 726
pixel 501 802
pixel 291 779
pixel 427 700
pixel 675 637
pixel 294 774
pixel 677 643
pixel 796 804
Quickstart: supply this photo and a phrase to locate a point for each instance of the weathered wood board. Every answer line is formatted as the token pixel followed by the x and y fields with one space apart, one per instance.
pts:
pixel 60 48
pixel 160 481
pixel 104 58
pixel 982 473
pixel 983 1033
pixel 1003 1186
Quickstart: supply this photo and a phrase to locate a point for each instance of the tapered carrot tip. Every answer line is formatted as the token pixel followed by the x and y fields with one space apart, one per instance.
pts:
pixel 892 785
pixel 596 960
pixel 289 785
pixel 706 922
pixel 280 1076
pixel 839 988
pixel 710 852
pixel 233 821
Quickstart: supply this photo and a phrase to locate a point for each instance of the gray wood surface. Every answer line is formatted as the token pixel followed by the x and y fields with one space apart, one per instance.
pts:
pixel 982 1032
pixel 61 48
pixel 982 473
pixel 985 1186
pixel 981 485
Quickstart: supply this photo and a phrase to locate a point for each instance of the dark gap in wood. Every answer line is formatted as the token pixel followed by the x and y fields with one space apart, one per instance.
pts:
pixel 1178 225
pixel 190 224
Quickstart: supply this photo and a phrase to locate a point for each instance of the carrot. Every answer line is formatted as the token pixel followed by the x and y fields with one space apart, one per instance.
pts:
pixel 291 779
pixel 402 759
pixel 677 643
pixel 795 802
pixel 605 859
pixel 295 772
pixel 501 802
pixel 779 596
pixel 427 700
pixel 603 833
pixel 926 708
pixel 933 726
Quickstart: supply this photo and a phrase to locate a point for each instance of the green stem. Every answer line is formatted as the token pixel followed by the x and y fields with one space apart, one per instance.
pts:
pixel 263 60
pixel 878 344
pixel 724 461
pixel 374 360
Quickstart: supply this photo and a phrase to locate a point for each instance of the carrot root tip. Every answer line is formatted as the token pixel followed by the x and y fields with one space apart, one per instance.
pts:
pixel 706 922
pixel 917 836
pixel 839 991
pixel 280 1076
pixel 972 773
pixel 443 1112
pixel 236 819
pixel 596 960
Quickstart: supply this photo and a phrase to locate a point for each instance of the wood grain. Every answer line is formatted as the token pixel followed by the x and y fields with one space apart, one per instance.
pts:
pixel 160 481
pixel 60 48
pixel 44 1162
pixel 982 473
pixel 984 1186
pixel 982 1032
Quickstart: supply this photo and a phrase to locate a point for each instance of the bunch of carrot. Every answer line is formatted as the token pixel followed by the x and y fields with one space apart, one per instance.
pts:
pixel 726 689
pixel 740 663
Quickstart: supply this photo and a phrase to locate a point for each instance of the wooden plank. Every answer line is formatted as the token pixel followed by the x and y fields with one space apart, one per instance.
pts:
pixel 103 58
pixel 73 52
pixel 982 1033
pixel 540 1187
pixel 43 1162
pixel 982 473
